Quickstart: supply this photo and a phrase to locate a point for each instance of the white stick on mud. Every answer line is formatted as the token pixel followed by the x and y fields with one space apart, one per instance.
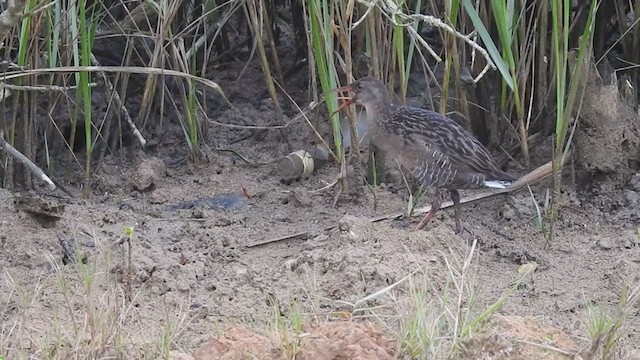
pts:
pixel 4 145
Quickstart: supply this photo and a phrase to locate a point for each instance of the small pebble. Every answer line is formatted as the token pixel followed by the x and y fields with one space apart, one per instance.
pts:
pixel 633 197
pixel 509 213
pixel 148 173
pixel 224 241
pixel 627 243
pixel 291 264
pixel 125 206
pixel 635 182
pixel 241 271
pixel 346 223
pixel 89 242
pixel 605 243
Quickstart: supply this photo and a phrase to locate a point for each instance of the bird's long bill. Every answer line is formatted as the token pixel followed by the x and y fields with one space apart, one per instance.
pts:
pixel 347 101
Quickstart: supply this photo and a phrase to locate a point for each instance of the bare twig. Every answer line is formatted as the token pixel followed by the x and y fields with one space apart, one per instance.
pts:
pixel 244 158
pixel 6 147
pixel 286 237
pixel 312 105
pixel 117 99
pixel 213 30
pixel 41 87
pixel 303 113
pixel 117 69
pixel 393 13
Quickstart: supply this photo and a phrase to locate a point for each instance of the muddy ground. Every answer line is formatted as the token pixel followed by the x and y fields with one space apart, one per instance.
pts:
pixel 193 274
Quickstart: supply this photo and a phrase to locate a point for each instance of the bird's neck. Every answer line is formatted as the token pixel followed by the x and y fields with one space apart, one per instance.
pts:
pixel 378 112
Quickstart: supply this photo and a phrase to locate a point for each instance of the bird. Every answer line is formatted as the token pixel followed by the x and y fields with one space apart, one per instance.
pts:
pixel 436 150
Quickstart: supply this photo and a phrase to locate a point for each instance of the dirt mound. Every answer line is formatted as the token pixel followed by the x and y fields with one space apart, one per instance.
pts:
pixel 334 340
pixel 239 343
pixel 505 337
pixel 608 135
pixel 345 340
pixel 519 338
pixel 148 173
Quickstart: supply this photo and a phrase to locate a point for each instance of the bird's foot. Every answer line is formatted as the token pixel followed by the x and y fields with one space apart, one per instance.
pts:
pixel 421 224
pixel 459 227
pixel 425 220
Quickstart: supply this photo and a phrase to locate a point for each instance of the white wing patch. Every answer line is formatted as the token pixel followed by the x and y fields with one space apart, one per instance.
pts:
pixel 497 184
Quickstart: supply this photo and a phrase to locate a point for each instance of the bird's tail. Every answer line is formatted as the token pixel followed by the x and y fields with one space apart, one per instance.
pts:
pixel 497 184
pixel 499 180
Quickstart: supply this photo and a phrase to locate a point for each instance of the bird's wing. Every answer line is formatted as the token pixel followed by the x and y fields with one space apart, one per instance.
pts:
pixel 426 163
pixel 434 131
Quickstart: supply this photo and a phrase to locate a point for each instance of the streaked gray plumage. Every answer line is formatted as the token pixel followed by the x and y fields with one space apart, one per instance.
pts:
pixel 439 152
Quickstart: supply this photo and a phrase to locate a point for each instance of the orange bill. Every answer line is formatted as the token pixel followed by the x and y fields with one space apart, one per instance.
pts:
pixel 342 89
pixel 347 101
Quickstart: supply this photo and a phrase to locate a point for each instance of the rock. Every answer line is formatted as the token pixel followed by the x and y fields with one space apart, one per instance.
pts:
pixel 630 238
pixel 159 196
pixel 224 240
pixel 239 343
pixel 291 264
pixel 627 243
pixel 177 355
pixel 327 341
pixel 634 183
pixel 516 337
pixel 633 197
pixel 241 271
pixel 608 137
pixel 267 103
pixel 622 266
pixel 345 340
pixel 605 243
pixel 299 197
pixel 347 222
pixel 519 207
pixel 281 216
pixel 509 213
pixel 148 173
pixel 632 354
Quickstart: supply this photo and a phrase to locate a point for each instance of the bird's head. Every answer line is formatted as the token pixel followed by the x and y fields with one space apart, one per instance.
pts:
pixel 368 92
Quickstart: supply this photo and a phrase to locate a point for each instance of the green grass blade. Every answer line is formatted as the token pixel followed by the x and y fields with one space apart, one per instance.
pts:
pixel 489 44
pixel 322 44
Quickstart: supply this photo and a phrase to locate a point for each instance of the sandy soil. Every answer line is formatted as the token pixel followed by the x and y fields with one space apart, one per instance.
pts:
pixel 192 274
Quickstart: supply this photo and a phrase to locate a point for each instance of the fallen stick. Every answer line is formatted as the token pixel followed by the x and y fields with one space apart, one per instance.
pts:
pixel 120 103
pixel 287 237
pixel 532 177
pixel 6 147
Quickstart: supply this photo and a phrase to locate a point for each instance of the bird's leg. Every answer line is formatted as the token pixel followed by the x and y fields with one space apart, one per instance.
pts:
pixel 435 206
pixel 455 197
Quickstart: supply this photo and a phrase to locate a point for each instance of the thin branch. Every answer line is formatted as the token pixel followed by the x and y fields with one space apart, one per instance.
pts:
pixel 303 113
pixel 6 147
pixel 393 13
pixel 41 87
pixel 123 109
pixel 117 69
pixel 312 105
